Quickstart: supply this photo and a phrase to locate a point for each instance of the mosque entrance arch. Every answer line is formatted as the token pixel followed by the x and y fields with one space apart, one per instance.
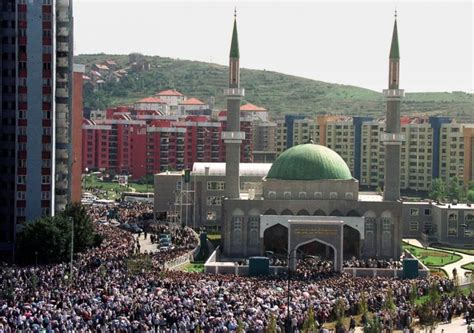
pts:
pixel 313 234
pixel 275 239
pixel 351 242
pixel 318 250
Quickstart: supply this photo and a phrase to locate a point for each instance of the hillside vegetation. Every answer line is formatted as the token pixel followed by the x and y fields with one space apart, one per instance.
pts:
pixel 279 93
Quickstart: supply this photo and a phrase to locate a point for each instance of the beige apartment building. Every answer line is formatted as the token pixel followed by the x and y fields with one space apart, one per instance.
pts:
pixel 433 147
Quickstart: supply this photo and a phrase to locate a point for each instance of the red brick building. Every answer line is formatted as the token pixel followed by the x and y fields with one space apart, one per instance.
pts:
pixel 141 142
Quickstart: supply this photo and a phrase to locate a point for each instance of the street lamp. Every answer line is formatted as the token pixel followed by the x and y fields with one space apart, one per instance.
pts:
pixel 288 318
pixel 72 244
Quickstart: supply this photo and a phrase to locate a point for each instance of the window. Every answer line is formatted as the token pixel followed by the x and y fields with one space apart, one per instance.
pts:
pixel 349 196
pixel 21 179
pixel 45 195
pixel 287 195
pixel 386 224
pixel 20 195
pixel 214 201
pixel 45 179
pixel 318 195
pixel 215 186
pixel 20 211
pixel 414 212
pixel 302 195
pixel 45 211
pixel 332 195
pixel 46 163
pixel 271 194
pixel 413 225
pixel 211 216
pixel 452 223
pixel 427 211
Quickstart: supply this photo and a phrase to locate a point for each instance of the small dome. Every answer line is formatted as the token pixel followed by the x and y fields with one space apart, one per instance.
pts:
pixel 309 162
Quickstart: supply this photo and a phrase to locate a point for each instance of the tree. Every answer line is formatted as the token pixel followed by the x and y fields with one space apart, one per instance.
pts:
pixel 272 325
pixel 363 307
pixel 413 295
pixel 44 237
pixel 339 311
pixel 438 190
pixel 309 325
pixel 50 237
pixel 83 227
pixel 470 196
pixel 373 325
pixel 453 190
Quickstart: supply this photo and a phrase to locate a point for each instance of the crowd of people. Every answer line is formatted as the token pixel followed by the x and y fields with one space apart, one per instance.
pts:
pixel 112 288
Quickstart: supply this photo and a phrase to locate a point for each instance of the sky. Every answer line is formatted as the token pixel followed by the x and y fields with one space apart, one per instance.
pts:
pixel 344 42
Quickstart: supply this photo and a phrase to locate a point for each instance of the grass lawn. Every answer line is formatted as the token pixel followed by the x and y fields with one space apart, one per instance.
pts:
pixel 469 266
pixel 194 267
pixel 456 249
pixel 113 189
pixel 432 257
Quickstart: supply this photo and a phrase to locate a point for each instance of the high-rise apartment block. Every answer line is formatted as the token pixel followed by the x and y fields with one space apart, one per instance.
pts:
pixel 36 122
pixel 433 147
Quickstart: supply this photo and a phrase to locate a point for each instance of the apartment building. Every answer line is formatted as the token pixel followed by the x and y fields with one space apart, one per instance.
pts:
pixel 433 147
pixel 36 77
pixel 142 142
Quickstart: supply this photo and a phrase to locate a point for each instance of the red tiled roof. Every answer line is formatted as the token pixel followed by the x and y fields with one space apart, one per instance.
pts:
pixel 170 92
pixel 151 100
pixel 251 107
pixel 192 101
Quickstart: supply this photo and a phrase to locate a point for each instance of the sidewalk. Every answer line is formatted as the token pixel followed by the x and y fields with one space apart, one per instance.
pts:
pixel 145 244
pixel 465 259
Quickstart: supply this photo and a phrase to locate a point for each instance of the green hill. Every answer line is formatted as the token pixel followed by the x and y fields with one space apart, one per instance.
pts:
pixel 279 93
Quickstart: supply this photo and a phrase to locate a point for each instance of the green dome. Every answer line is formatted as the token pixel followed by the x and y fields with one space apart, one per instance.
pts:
pixel 309 162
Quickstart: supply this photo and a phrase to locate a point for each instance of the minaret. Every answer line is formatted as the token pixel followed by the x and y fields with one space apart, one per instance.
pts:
pixel 392 138
pixel 233 136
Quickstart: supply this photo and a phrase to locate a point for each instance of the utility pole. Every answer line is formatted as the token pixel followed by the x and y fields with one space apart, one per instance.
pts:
pixel 72 245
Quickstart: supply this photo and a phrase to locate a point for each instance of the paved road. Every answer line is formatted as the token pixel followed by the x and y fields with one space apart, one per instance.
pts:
pixel 466 259
pixel 145 244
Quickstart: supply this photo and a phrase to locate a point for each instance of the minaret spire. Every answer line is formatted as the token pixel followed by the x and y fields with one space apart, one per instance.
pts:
pixel 233 137
pixel 392 138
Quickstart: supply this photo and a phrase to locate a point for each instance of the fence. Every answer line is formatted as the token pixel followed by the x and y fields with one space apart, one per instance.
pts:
pixel 184 258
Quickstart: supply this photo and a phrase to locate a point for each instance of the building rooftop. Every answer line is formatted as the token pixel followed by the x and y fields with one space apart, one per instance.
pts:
pixel 191 101
pixel 309 162
pixel 252 107
pixel 218 169
pixel 169 92
pixel 154 100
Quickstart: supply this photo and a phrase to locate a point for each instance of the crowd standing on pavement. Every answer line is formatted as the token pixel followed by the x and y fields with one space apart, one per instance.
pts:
pixel 104 294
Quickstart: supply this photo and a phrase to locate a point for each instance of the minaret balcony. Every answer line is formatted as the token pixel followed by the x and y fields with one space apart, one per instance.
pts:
pixel 392 138
pixel 234 92
pixel 393 93
pixel 230 137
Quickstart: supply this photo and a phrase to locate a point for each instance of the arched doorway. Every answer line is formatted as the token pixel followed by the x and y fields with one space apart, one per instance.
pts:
pixel 350 243
pixel 275 239
pixel 320 250
pixel 302 212
pixel 317 249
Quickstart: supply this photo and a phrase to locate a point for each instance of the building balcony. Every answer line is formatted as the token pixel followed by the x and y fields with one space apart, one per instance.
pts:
pixel 63 16
pixel 62 47
pixel 62 154
pixel 62 3
pixel 393 93
pixel 62 62
pixel 234 92
pixel 62 92
pixel 63 31
pixel 62 184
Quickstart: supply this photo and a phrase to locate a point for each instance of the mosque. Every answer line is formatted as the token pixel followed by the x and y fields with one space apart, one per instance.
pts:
pixel 308 203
